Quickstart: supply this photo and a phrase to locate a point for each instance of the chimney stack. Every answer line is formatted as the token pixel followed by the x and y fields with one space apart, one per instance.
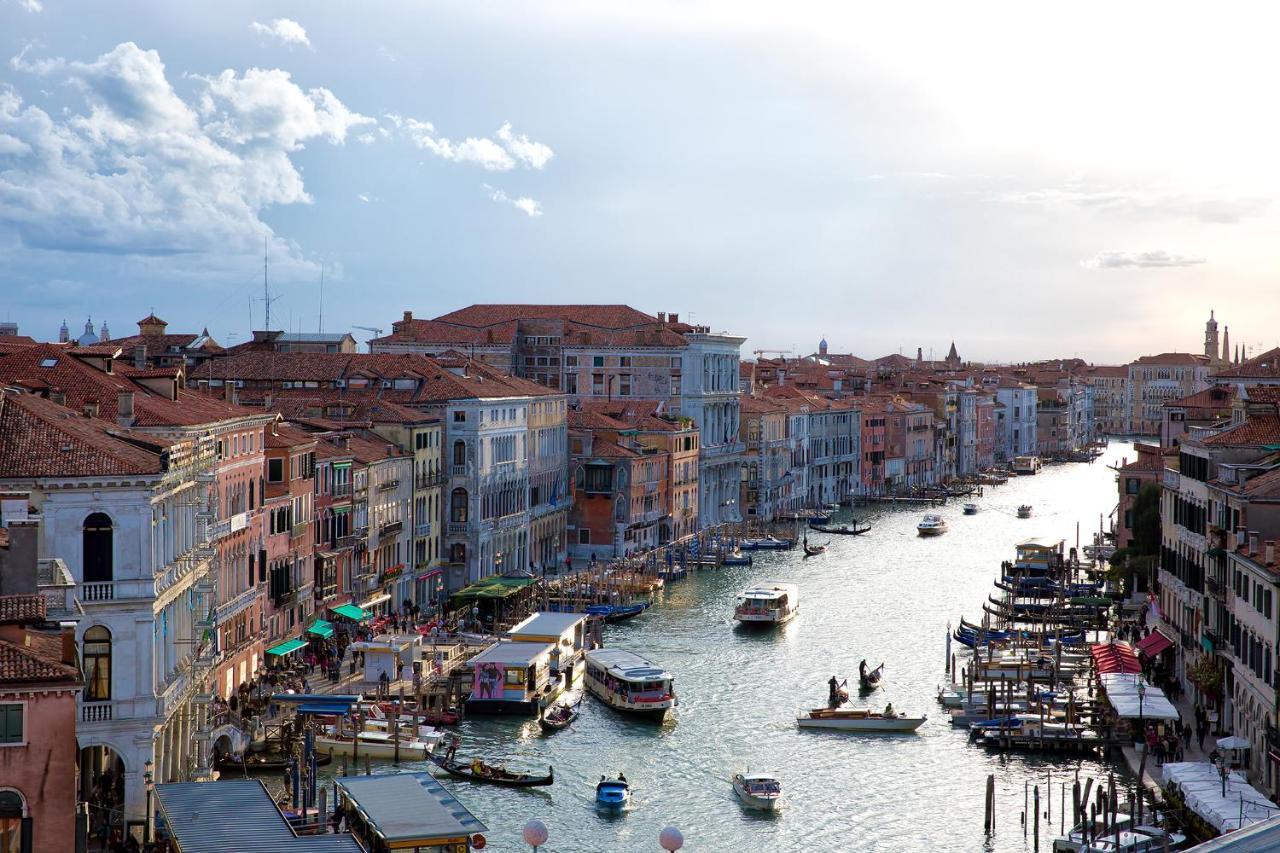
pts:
pixel 124 408
pixel 58 396
pixel 91 408
pixel 675 318
pixel 1269 552
pixel 140 356
pixel 408 316
pixel 662 317
pixel 69 656
pixel 1253 543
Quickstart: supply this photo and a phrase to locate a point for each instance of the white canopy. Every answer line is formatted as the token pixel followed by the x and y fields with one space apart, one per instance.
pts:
pixel 1201 787
pixel 1122 693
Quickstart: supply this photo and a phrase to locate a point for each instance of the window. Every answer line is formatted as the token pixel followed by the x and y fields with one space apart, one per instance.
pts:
pixel 1131 485
pixel 97 664
pixel 97 541
pixel 275 470
pixel 458 505
pixel 570 361
pixel 459 453
pixel 459 417
pixel 624 361
pixel 11 723
pixel 584 536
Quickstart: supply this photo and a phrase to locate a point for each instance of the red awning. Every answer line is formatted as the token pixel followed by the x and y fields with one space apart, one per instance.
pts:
pixel 1115 657
pixel 1154 643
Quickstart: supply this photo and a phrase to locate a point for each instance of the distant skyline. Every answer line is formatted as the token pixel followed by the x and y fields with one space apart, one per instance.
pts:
pixel 1025 183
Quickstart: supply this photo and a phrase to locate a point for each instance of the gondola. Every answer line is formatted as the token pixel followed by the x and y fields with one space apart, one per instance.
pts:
pixel 813 550
pixel 560 716
pixel 492 775
pixel 616 612
pixel 259 762
pixel 842 530
pixel 870 680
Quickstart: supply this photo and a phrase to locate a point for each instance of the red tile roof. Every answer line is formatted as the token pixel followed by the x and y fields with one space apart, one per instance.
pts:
pixel 1257 430
pixel 1121 372
pixel 1264 485
pixel 1184 359
pixel 39 438
pixel 21 610
pixel 1217 397
pixel 39 661
pixel 604 449
pixel 589 420
pixel 1262 393
pixel 1266 365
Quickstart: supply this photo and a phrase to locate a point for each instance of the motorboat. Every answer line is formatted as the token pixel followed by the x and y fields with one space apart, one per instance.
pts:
pixel 1027 464
pixel 1141 839
pixel 736 557
pixel 767 543
pixel 758 790
pixel 768 603
pixel 932 525
pixel 375 744
pixel 560 716
pixel 858 720
pixel 1076 838
pixel 1024 511
pixel 627 682
pixel 479 771
pixel 970 509
pixel 613 794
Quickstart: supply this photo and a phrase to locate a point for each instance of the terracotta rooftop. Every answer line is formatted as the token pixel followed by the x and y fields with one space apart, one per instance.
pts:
pixel 1107 372
pixel 589 420
pixel 1262 393
pixel 37 662
pixel 1182 359
pixel 1217 397
pixel 604 449
pixel 39 438
pixel 1264 366
pixel 758 405
pixel 1257 430
pixel 21 610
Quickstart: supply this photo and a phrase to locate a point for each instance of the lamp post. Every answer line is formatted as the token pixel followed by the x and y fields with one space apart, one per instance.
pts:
pixel 1142 729
pixel 671 839
pixel 535 834
pixel 149 781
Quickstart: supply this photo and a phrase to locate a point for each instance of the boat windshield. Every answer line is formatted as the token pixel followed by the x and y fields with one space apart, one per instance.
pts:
pixel 764 787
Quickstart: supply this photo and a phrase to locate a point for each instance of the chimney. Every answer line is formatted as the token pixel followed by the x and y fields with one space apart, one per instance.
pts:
pixel 91 408
pixel 69 656
pixel 675 318
pixel 1269 552
pixel 124 408
pixel 1253 543
pixel 58 396
pixel 1242 475
pixel 408 316
pixel 229 390
pixel 662 317
pixel 140 356
pixel 1237 539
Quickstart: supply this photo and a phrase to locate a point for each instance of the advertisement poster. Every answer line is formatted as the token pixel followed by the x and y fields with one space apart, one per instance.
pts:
pixel 488 681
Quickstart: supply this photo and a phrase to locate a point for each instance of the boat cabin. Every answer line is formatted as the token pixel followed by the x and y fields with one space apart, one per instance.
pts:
pixel 512 677
pixel 769 601
pixel 407 811
pixel 1038 555
pixel 566 632
pixel 628 682
pixel 393 654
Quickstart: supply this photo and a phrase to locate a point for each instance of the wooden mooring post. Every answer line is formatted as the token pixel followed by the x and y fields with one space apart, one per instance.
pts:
pixel 989 810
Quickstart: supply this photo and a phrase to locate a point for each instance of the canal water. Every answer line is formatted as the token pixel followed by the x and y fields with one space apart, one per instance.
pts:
pixel 885 596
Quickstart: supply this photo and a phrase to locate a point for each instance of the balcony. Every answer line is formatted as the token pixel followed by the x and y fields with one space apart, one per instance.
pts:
pixel 96 712
pixel 1213 640
pixel 422 530
pixel 109 591
pixel 1215 588
pixel 388 485
pixel 457 528
pixel 391 528
pixel 1171 479
pixel 428 481
pixel 340 490
pixel 459 470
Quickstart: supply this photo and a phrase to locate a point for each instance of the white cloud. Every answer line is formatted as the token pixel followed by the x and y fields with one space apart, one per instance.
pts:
pixel 533 154
pixel 366 198
pixel 32 6
pixel 141 171
pixel 524 203
pixel 501 156
pixel 1114 260
pixel 287 31
pixel 1146 202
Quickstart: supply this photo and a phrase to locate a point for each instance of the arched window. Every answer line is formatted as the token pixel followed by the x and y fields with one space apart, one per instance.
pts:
pixel 97 664
pixel 97 548
pixel 458 505
pixel 459 453
pixel 15 827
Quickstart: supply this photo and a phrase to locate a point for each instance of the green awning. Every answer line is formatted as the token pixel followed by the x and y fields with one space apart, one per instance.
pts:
pixel 351 611
pixel 320 628
pixel 286 647
pixel 493 587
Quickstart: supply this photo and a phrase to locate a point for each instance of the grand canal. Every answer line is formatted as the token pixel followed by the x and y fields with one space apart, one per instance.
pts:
pixel 886 596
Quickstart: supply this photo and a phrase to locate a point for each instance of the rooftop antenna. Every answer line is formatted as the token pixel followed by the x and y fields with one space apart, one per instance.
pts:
pixel 267 298
pixel 320 326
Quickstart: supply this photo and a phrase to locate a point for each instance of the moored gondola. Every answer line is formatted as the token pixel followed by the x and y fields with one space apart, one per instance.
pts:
pixel 560 716
pixel 478 771
pixel 262 762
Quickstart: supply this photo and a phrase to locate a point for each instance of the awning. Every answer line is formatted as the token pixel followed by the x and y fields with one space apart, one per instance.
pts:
pixel 320 628
pixel 351 611
pixel 1115 657
pixel 430 573
pixel 1131 703
pixel 1154 643
pixel 375 601
pixel 286 647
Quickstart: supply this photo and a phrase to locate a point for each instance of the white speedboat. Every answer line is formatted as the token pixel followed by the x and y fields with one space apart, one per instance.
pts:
pixel 1027 464
pixel 857 720
pixel 932 525
pixel 627 682
pixel 970 509
pixel 376 745
pixel 1142 839
pixel 1074 840
pixel 768 603
pixel 758 790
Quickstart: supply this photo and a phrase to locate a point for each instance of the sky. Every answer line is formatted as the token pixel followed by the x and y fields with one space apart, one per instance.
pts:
pixel 1025 179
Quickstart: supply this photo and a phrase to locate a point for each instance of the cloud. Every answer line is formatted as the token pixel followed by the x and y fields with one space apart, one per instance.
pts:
pixel 32 6
pixel 286 31
pixel 524 203
pixel 1115 260
pixel 141 171
pixel 1146 202
pixel 503 155
pixel 366 198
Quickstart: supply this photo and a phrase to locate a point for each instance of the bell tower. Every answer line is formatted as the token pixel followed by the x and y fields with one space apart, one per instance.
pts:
pixel 1211 338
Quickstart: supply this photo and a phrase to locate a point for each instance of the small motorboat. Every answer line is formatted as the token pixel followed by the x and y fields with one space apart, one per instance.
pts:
pixel 758 790
pixel 613 794
pixel 478 771
pixel 858 720
pixel 869 680
pixel 376 745
pixel 767 543
pixel 560 716
pixel 970 509
pixel 736 557
pixel 1024 511
pixel 932 525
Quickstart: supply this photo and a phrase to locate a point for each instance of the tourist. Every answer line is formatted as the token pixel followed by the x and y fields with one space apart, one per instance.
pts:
pixel 1160 752
pixel 1202 729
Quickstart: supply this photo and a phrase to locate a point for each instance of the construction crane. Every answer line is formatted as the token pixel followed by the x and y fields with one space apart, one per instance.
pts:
pixel 377 333
pixel 760 352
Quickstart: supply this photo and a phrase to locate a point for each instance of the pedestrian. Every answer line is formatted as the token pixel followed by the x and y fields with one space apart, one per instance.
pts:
pixel 1160 752
pixel 384 684
pixel 1202 729
pixel 1186 734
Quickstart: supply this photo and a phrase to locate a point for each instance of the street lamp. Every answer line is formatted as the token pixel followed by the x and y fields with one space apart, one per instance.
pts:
pixel 671 839
pixel 1142 729
pixel 150 783
pixel 535 834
